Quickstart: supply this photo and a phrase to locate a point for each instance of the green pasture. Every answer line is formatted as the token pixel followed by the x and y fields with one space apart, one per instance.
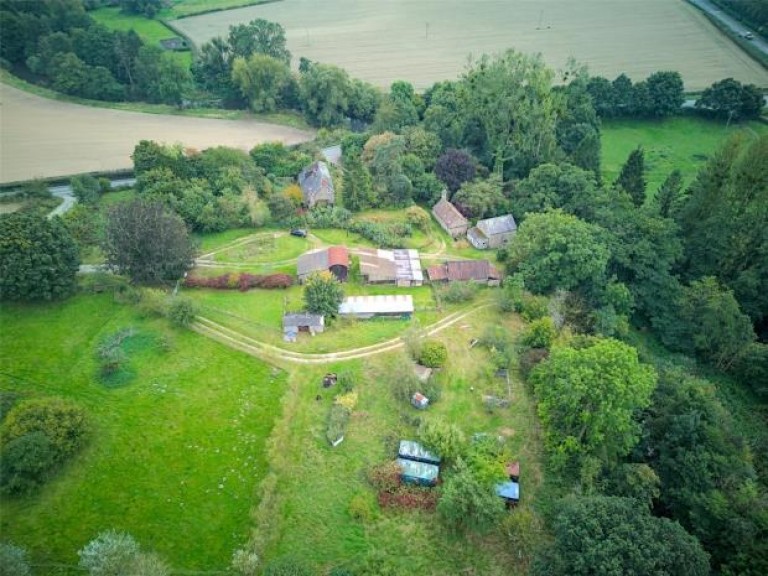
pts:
pixel 176 451
pixel 151 31
pixel 682 143
pixel 304 511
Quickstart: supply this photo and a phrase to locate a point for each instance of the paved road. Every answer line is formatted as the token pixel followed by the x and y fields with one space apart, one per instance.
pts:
pixel 68 199
pixel 738 27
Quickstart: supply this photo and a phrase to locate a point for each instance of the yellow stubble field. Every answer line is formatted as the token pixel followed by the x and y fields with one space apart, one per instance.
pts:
pixel 423 41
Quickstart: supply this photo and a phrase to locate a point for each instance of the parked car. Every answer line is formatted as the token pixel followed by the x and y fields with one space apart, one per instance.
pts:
pixel 299 232
pixel 749 36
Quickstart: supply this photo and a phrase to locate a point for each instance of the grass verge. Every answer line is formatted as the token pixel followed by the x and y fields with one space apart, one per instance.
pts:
pixel 175 455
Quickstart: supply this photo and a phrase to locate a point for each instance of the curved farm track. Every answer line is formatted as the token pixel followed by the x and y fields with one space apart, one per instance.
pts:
pixel 42 138
pixel 271 353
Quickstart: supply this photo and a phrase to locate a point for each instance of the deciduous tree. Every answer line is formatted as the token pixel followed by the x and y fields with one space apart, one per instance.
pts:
pixel 262 80
pixel 38 258
pixel 323 294
pixel 147 242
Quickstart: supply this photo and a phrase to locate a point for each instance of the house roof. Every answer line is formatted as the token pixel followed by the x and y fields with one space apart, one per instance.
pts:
pixel 499 225
pixel 316 183
pixel 338 256
pixel 312 261
pixel 509 490
pixel 412 450
pixel 390 304
pixel 448 214
pixel 303 319
pixel 398 264
pixel 420 470
pixel 322 259
pixel 463 270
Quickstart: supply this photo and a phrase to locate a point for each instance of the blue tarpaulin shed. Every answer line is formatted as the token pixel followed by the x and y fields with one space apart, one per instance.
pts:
pixel 510 491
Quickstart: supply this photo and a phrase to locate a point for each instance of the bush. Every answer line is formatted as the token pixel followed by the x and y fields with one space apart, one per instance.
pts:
pixel 443 438
pixel 240 282
pixel 385 477
pixel 182 311
pixel 109 554
pixel 418 218
pixel 534 307
pixel 539 334
pixel 25 463
pixel 433 354
pixel 328 217
pixel 456 292
pixel 62 422
pixel 383 235
pixel 346 380
pixel 13 560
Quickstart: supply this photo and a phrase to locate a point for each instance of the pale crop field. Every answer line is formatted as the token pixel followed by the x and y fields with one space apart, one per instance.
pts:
pixel 43 138
pixel 423 41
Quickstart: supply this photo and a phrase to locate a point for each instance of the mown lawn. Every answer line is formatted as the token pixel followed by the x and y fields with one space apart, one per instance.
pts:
pixel 176 453
pixel 682 143
pixel 304 510
pixel 258 314
pixel 151 31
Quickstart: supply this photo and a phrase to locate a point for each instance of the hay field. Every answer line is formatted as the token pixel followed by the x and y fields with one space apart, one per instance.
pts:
pixel 42 138
pixel 424 41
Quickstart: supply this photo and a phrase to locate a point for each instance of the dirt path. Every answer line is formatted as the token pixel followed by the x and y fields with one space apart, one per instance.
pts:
pixel 41 138
pixel 271 353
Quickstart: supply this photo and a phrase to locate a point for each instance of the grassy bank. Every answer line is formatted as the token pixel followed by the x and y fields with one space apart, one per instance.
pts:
pixel 684 142
pixel 175 454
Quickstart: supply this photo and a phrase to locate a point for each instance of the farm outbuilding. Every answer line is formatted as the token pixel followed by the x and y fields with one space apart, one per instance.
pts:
pixel 400 266
pixel 334 259
pixel 411 450
pixel 364 307
pixel 509 491
pixel 316 184
pixel 449 218
pixel 492 232
pixel 302 322
pixel 420 473
pixel 481 271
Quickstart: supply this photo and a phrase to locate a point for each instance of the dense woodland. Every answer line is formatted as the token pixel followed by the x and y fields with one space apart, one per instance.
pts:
pixel 640 302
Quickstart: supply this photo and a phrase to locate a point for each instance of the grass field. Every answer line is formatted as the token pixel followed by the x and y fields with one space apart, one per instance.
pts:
pixel 183 8
pixel 684 143
pixel 304 511
pixel 151 31
pixel 175 455
pixel 428 41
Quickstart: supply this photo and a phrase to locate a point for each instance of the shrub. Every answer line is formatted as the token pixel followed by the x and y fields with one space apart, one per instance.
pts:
pixel 348 400
pixel 240 282
pixel 418 218
pixel 62 422
pixel 110 351
pixel 245 562
pixel 409 498
pixel 182 311
pixel 153 302
pixel 110 553
pixel 539 333
pixel 346 380
pixel 13 560
pixel 444 438
pixel 456 292
pixel 531 358
pixel 337 423
pixel 328 217
pixel 534 307
pixel 433 354
pixel 25 463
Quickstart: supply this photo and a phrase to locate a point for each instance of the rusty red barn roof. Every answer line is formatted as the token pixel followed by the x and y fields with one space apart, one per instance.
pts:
pixel 338 256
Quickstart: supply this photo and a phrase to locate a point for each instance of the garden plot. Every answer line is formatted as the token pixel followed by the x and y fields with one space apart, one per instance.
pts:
pixel 428 41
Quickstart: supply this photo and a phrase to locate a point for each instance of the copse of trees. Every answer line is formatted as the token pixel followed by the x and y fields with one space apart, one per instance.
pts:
pixel 38 258
pixel 658 96
pixel 731 100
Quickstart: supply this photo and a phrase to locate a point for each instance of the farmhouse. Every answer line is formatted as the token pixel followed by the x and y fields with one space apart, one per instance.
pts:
pixel 492 232
pixel 302 322
pixel 334 259
pixel 449 218
pixel 316 184
pixel 401 267
pixel 481 271
pixel 365 307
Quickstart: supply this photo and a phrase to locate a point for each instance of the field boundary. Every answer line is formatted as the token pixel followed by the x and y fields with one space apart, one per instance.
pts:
pixel 222 9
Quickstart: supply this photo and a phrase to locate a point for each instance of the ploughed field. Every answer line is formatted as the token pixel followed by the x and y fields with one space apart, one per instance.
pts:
pixel 42 138
pixel 426 41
